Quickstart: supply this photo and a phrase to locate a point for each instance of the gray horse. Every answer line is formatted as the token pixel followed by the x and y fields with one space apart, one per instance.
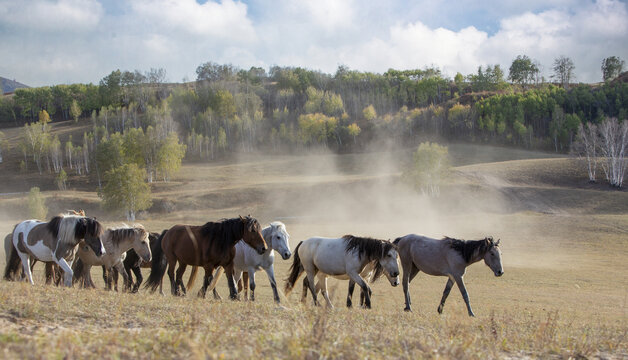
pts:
pixel 447 257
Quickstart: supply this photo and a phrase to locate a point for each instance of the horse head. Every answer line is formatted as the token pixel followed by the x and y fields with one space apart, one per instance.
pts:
pixel 279 239
pixel 91 230
pixel 141 243
pixel 389 262
pixel 493 256
pixel 252 234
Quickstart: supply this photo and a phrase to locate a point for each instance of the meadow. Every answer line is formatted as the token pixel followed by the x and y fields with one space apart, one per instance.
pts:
pixel 564 242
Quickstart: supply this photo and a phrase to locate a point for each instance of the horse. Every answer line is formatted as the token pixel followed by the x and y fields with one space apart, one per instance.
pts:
pixel 247 260
pixel 446 257
pixel 209 246
pixel 117 241
pixel 55 240
pixel 345 256
pixel 133 264
pixel 368 273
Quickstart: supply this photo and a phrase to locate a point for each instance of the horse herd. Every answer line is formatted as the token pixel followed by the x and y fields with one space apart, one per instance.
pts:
pixel 72 243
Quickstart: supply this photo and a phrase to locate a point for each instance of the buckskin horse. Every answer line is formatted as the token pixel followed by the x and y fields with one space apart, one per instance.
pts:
pixel 209 246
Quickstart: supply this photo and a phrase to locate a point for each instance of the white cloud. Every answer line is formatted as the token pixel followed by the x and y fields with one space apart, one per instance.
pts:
pixel 226 20
pixel 47 15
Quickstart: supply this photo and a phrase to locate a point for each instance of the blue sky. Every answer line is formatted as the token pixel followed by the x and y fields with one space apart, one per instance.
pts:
pixel 47 42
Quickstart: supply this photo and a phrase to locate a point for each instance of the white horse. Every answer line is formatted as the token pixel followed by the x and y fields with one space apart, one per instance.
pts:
pixel 247 260
pixel 340 257
pixel 447 257
pixel 55 240
pixel 370 272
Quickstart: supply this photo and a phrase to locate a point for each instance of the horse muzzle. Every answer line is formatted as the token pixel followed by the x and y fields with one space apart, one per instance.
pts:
pixel 499 273
pixel 147 258
pixel 286 255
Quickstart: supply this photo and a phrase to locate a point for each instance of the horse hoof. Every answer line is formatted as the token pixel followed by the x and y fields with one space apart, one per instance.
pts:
pixel 407 309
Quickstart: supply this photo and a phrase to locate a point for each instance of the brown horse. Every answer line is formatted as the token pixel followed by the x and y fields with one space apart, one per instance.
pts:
pixel 209 246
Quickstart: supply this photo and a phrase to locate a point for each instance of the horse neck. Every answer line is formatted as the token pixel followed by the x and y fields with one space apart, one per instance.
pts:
pixel 478 255
pixel 124 244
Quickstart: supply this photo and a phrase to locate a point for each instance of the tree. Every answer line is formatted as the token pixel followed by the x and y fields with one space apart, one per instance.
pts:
pixel 61 179
pixel 36 204
pixel 126 190
pixel 522 70
pixel 613 147
pixel 354 130
pixel 429 166
pixel 612 67
pixel 75 110
pixel 170 155
pixel 563 70
pixel 586 147
pixel 369 113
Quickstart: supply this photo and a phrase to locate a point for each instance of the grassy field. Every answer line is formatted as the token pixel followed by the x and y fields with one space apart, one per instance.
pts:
pixel 564 293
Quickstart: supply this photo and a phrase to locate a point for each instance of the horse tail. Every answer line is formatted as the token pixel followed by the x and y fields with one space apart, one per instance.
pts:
pixel 296 269
pixel 158 266
pixel 13 263
pixel 192 277
pixel 397 240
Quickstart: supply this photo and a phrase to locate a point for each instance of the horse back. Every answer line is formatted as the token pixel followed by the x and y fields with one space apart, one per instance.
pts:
pixel 186 244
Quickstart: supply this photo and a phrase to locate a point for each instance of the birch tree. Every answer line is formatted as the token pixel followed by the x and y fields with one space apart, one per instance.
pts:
pixel 613 146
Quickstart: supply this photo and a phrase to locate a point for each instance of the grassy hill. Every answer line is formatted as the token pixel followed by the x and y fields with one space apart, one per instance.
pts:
pixel 564 249
pixel 8 86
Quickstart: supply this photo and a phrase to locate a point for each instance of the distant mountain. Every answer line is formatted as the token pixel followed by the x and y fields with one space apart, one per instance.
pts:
pixel 8 86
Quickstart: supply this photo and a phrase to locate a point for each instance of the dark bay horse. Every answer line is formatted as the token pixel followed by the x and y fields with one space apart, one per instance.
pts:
pixel 447 257
pixel 209 246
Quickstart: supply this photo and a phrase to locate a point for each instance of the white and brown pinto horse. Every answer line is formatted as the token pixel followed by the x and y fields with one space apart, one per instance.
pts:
pixel 344 257
pixel 53 241
pixel 446 257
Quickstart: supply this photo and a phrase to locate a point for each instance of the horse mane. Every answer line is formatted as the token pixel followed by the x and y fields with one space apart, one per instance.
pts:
pixel 223 234
pixel 116 235
pixel 468 249
pixel 369 248
pixel 53 226
pixel 78 227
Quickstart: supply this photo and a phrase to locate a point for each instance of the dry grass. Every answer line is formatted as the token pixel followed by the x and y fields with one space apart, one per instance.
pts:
pixel 564 293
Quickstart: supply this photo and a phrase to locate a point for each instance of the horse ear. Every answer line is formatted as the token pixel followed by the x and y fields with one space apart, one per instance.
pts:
pixel 497 243
pixel 241 218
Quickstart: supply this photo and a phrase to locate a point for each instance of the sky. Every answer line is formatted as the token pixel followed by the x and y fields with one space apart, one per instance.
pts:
pixel 50 42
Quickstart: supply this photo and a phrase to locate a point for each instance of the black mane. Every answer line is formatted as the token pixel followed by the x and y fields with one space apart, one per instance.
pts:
pixel 468 248
pixel 53 226
pixel 87 227
pixel 226 233
pixel 369 248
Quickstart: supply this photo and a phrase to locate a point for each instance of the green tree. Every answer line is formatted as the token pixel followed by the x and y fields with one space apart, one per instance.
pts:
pixel 369 113
pixel 75 110
pixel 169 156
pixel 522 70
pixel 354 130
pixel 429 166
pixel 126 190
pixel 612 67
pixel 61 179
pixel 36 204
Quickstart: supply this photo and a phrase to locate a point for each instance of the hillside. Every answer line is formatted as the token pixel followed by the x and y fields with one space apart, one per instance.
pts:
pixel 9 86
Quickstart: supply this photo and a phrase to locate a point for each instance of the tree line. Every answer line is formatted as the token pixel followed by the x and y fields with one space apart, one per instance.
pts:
pixel 139 122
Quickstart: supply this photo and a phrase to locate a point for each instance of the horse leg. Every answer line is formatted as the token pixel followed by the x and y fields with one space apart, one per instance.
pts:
pixel 233 291
pixel 311 282
pixel 450 283
pixel 322 281
pixel 270 271
pixel 405 281
pixel 49 273
pixel 465 295
pixel 173 285
pixel 350 292
pixel 207 279
pixel 365 288
pixel 120 270
pixel 180 272
pixel 26 267
pixel 306 286
pixel 67 271
pixel 251 276
pixel 243 284
pixel 138 278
